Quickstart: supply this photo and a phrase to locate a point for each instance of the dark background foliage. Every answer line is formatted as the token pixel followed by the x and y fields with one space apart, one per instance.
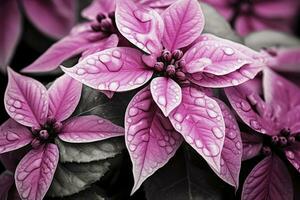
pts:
pixel 186 176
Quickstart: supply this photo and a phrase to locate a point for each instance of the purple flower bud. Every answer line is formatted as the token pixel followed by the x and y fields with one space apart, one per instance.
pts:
pixel 51 120
pixel 275 139
pixel 96 27
pixel 35 130
pixel 181 63
pixel 35 143
pixel 291 139
pixel 100 17
pixel 266 150
pixel 283 141
pixel 177 54
pixel 57 126
pixel 43 134
pixel 159 66
pixel 166 55
pixel 180 76
pixel 171 70
pixel 285 132
pixel 106 25
pixel 111 15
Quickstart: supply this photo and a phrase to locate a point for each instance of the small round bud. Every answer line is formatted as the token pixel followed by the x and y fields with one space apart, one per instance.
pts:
pixel 275 139
pixel 35 130
pixel 285 132
pixel 171 70
pixel 96 27
pixel 291 139
pixel 35 143
pixel 180 76
pixel 159 66
pixel 181 63
pixel 111 15
pixel 106 25
pixel 283 141
pixel 166 55
pixel 43 134
pixel 177 54
pixel 100 17
pixel 57 126
pixel 266 150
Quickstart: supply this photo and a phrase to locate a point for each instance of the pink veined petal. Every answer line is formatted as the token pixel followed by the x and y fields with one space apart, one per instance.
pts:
pixel 269 179
pixel 106 43
pixel 90 128
pixel 35 172
pixel 13 136
pixel 10 23
pixel 166 93
pixel 199 120
pixel 64 96
pixel 286 60
pixel 80 40
pixel 6 182
pixel 252 144
pixel 142 26
pixel 116 69
pixel 251 109
pixel 26 100
pixel 150 138
pixel 279 92
pixel 98 7
pixel 293 155
pixel 231 156
pixel 58 15
pixel 292 119
pixel 184 22
pixel 214 57
pixel 155 3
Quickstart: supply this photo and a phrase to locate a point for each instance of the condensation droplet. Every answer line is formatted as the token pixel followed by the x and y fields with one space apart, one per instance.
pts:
pixel 113 86
pixel 80 71
pixel 162 100
pixel 232 134
pixel 235 82
pixel 245 106
pixel 212 113
pixel 228 51
pixel 19 117
pixel 178 117
pixel 189 139
pixel 217 132
pixel 133 111
pixel 104 58
pixel 199 144
pixel 238 145
pixel 132 147
pixel 200 102
pixel 17 104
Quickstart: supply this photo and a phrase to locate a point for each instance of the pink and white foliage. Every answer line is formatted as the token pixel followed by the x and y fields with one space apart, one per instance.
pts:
pixel 38 116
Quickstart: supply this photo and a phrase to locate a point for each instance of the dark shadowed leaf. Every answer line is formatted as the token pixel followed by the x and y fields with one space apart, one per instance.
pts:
pixel 88 152
pixel 217 25
pixel 263 39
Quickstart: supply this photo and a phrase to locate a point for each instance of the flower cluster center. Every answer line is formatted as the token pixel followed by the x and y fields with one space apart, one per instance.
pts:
pixel 171 64
pixel 282 140
pixel 104 23
pixel 46 133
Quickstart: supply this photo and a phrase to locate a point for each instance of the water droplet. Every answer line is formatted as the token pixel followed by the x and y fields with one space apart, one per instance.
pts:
pixel 166 138
pixel 100 121
pixel 199 144
pixel 172 141
pixel 10 102
pixel 126 30
pixel 222 161
pixel 130 138
pixel 132 147
pixel 246 73
pixel 116 54
pixel 235 82
pixel 19 117
pixel 91 61
pixel 178 127
pixel 200 102
pixel 245 106
pixel 17 104
pixel 228 51
pixel 213 149
pixel 254 124
pixel 290 155
pixel 212 113
pixel 12 109
pixel 162 100
pixel 238 145
pixel 162 143
pixel 142 15
pixel 217 132
pixel 145 137
pixel 113 86
pixel 104 58
pixel 178 117
pixel 133 111
pixel 140 80
pixel 12 136
pixel 189 139
pixel 101 86
pixel 80 71
pixel 210 105
pixel 232 134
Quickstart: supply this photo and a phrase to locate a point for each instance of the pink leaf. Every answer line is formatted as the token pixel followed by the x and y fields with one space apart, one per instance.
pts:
pixel 6 182
pixel 26 100
pixel 64 96
pixel 292 119
pixel 184 22
pixel 268 180
pixel 149 136
pixel 10 23
pixel 231 156
pixel 280 92
pixel 13 136
pixel 35 172
pixel 199 119
pixel 214 57
pixel 293 155
pixel 80 40
pixel 166 94
pixel 89 129
pixel 116 69
pixel 251 108
pixel 58 15
pixel 252 144
pixel 98 7
pixel 142 26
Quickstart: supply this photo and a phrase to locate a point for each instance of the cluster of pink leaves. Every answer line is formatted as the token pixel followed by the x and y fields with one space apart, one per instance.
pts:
pixel 59 16
pixel 166 111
